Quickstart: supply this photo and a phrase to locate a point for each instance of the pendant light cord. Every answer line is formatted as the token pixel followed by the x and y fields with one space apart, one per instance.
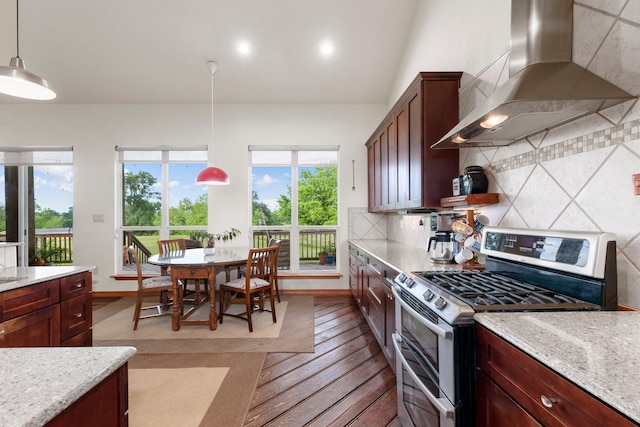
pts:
pixel 17 30
pixel 212 138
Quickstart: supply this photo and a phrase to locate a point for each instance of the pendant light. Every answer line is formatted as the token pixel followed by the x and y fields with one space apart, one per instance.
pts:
pixel 212 175
pixel 18 82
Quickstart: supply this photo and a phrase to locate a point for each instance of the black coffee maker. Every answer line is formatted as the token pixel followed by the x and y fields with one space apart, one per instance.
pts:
pixel 442 246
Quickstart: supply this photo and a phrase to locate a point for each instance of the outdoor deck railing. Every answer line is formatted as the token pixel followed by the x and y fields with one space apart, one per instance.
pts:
pixel 55 245
pixel 312 242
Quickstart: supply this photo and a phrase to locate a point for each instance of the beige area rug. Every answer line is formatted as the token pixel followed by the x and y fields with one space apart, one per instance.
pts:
pixel 293 332
pixel 192 389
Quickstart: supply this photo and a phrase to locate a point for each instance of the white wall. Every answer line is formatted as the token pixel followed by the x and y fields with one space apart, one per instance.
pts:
pixel 461 35
pixel 94 131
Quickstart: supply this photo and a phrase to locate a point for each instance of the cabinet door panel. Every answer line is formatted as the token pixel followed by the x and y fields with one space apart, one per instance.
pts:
pixel 414 114
pixel 38 329
pixel 75 316
pixel 76 284
pixel 402 174
pixel 496 409
pixel 30 298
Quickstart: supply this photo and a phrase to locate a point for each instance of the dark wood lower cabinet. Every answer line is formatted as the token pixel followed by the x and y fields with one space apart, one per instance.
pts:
pixel 40 328
pixel 106 405
pixel 370 282
pixel 513 389
pixel 496 409
pixel 48 314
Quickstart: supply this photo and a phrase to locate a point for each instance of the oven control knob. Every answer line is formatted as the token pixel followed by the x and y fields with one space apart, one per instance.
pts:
pixel 410 283
pixel 440 303
pixel 401 278
pixel 428 296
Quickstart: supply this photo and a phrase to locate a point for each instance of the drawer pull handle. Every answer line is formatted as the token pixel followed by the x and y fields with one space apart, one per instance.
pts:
pixel 390 296
pixel 78 285
pixel 78 315
pixel 1 331
pixel 547 401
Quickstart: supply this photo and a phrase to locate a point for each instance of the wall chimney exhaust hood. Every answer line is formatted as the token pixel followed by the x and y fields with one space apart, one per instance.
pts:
pixel 545 89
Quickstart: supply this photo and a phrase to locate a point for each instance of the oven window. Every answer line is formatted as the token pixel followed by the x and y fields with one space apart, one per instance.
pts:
pixel 420 410
pixel 422 337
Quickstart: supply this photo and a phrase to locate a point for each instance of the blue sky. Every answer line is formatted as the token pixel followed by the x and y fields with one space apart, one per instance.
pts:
pixel 270 182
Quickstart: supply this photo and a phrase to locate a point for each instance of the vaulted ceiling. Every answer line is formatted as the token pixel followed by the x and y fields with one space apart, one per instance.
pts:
pixel 156 51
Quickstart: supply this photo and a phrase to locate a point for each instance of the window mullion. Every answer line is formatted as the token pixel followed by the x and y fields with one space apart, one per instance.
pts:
pixel 295 229
pixel 164 198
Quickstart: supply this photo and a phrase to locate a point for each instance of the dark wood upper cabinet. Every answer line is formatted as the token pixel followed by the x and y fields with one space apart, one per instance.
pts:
pixel 404 172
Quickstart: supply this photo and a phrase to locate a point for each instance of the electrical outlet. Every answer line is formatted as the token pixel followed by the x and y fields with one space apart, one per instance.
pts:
pixel 636 184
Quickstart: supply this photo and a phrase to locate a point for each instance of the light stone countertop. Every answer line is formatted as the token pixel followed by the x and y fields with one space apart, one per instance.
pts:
pixel 401 257
pixel 598 351
pixel 36 384
pixel 19 277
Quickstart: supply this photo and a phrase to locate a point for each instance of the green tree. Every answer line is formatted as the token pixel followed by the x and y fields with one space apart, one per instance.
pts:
pixel 261 215
pixel 3 218
pixel 141 201
pixel 189 213
pixel 282 215
pixel 318 196
pixel 67 218
pixel 48 218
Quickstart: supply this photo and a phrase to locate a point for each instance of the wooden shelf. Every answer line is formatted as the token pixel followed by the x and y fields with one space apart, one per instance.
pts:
pixel 469 200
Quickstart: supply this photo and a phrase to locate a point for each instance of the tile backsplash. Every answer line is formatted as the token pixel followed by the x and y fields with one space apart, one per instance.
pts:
pixel 577 176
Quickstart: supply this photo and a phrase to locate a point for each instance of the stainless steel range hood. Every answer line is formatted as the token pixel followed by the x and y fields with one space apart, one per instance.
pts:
pixel 545 89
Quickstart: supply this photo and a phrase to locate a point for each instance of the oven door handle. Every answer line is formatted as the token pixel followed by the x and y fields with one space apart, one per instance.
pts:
pixel 420 318
pixel 441 403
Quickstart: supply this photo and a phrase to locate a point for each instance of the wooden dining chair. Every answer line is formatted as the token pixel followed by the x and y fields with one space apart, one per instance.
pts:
pixel 278 244
pixel 151 286
pixel 257 284
pixel 176 246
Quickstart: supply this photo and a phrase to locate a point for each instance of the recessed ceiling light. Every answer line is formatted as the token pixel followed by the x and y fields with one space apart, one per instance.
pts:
pixel 326 48
pixel 244 48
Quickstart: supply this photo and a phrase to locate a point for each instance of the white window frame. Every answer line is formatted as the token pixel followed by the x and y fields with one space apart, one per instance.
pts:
pixel 164 230
pixel 294 229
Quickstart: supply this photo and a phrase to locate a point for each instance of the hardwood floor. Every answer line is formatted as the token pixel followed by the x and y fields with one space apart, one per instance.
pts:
pixel 345 382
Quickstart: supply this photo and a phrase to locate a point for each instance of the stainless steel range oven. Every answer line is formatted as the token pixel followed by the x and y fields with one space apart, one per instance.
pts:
pixel 526 270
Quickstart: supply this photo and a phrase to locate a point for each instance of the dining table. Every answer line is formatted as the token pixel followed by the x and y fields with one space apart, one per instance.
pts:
pixel 198 263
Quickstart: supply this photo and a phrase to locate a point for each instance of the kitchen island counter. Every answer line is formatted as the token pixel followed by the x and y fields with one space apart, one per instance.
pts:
pixel 19 277
pixel 597 351
pixel 36 384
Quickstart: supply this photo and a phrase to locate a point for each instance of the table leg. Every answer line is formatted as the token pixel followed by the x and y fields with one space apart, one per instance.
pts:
pixel 175 316
pixel 213 317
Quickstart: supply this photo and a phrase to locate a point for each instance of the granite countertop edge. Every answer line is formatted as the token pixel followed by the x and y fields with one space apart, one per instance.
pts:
pixel 588 353
pixel 20 277
pixel 37 384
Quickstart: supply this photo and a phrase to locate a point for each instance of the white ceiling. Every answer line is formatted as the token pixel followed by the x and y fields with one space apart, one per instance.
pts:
pixel 156 51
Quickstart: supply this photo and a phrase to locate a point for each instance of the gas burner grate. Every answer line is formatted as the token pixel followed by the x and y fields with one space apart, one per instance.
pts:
pixel 487 291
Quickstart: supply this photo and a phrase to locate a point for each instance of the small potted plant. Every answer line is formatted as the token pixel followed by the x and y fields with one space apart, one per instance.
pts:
pixel 331 254
pixel 210 239
pixel 46 255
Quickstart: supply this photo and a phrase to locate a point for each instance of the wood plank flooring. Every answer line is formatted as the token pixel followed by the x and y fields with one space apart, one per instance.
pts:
pixel 345 382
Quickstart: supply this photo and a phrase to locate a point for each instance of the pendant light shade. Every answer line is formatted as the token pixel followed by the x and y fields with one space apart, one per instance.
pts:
pixel 18 82
pixel 212 175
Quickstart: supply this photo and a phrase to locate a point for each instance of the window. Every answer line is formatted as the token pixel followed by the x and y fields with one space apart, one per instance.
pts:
pixel 36 202
pixel 294 193
pixel 159 198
